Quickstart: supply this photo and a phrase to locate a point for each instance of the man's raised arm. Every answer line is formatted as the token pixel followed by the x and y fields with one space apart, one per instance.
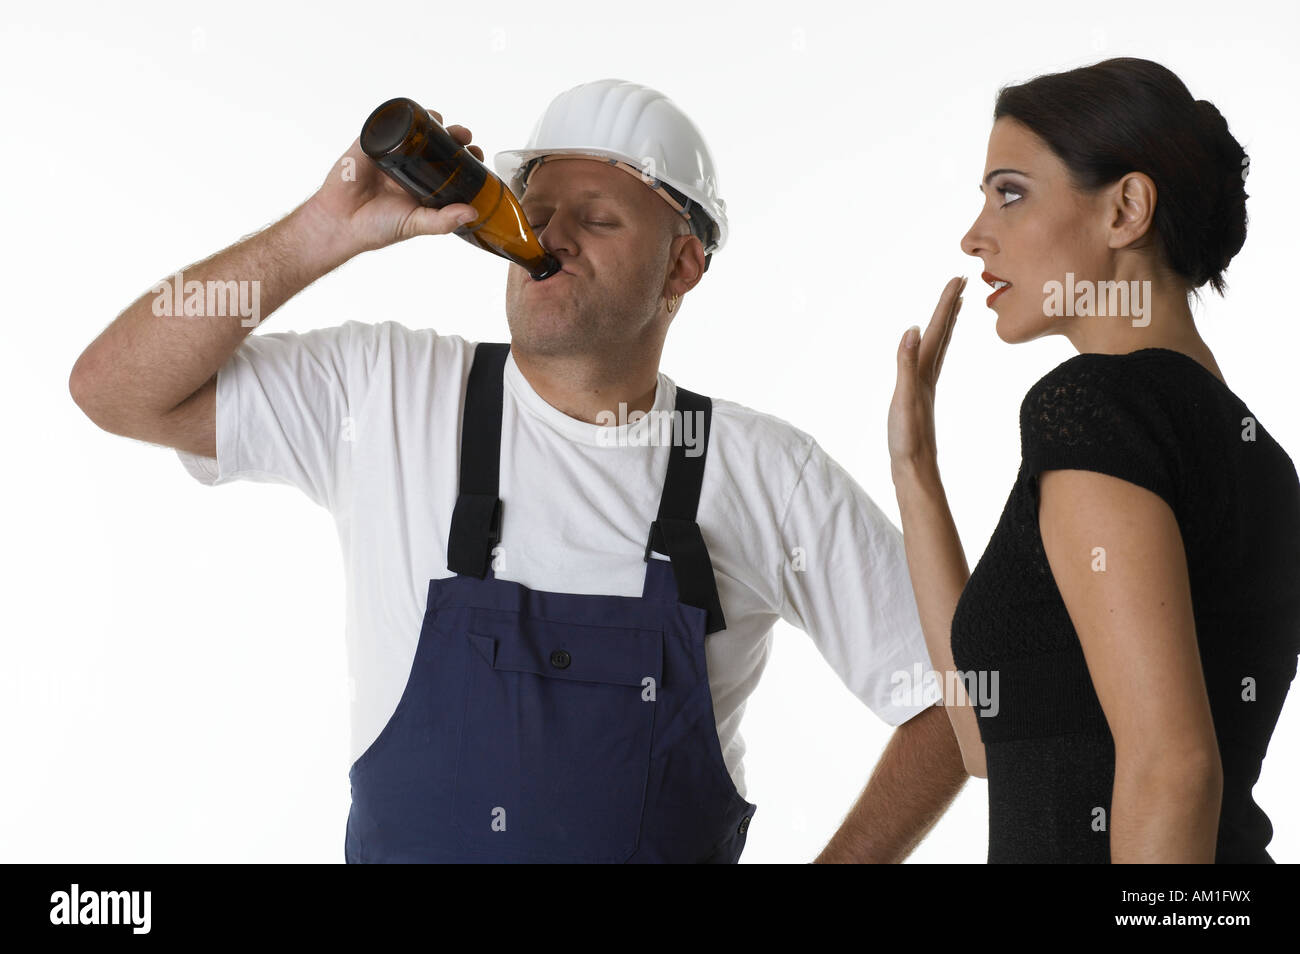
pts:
pixel 151 374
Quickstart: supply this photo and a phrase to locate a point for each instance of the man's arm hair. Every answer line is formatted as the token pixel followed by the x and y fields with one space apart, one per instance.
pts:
pixel 153 377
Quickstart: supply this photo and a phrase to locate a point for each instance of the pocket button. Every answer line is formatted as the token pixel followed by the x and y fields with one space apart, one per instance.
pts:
pixel 560 659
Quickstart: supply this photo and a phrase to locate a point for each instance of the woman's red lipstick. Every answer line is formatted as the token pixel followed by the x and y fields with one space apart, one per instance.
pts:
pixel 1000 285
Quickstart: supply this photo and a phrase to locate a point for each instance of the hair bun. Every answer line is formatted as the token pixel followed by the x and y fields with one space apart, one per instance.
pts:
pixel 1228 206
pixel 1222 144
pixel 1210 113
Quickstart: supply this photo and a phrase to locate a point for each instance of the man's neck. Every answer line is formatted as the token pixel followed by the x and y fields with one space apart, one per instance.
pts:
pixel 588 389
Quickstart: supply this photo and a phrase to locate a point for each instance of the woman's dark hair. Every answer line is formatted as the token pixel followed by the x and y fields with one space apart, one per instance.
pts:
pixel 1131 115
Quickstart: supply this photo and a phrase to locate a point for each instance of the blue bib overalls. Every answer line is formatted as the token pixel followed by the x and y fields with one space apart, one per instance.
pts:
pixel 554 727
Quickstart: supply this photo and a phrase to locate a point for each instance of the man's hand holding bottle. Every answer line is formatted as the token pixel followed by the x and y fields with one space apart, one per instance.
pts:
pixel 362 209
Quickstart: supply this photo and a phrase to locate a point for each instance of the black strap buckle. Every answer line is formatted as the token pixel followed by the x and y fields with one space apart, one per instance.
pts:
pixel 683 543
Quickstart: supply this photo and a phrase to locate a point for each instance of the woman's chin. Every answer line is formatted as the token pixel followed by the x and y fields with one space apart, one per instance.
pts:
pixel 1016 329
pixel 1006 330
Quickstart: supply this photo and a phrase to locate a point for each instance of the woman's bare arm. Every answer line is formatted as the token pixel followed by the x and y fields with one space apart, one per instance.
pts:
pixel 935 559
pixel 1117 556
pixel 937 566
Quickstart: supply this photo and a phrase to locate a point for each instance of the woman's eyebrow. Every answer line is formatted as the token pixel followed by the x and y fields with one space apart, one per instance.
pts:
pixel 997 172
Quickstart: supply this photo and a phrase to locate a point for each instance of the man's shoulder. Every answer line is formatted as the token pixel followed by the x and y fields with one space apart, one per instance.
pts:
pixel 393 333
pixel 758 435
pixel 389 347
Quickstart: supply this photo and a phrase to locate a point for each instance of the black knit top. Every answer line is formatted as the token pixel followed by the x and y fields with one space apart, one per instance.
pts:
pixel 1159 419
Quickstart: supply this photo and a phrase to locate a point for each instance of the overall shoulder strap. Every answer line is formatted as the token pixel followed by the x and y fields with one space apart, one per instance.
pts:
pixel 675 532
pixel 476 521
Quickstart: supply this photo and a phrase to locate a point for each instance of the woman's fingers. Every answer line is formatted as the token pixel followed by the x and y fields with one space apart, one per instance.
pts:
pixel 937 334
pixel 906 356
pixel 901 419
pixel 952 323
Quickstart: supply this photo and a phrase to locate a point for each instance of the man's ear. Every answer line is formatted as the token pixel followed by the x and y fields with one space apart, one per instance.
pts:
pixel 686 253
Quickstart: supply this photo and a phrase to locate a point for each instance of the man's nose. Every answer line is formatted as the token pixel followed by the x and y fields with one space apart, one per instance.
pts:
pixel 557 236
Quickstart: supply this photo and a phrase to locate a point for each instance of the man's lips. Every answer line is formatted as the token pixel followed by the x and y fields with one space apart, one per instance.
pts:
pixel 550 278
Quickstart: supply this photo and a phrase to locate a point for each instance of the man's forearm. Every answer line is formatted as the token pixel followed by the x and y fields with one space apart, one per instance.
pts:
pixel 916 779
pixel 146 363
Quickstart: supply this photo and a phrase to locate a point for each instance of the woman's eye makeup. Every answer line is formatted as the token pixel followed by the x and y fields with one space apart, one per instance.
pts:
pixel 1004 190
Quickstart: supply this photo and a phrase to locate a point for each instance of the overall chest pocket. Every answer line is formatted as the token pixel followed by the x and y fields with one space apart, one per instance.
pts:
pixel 554 751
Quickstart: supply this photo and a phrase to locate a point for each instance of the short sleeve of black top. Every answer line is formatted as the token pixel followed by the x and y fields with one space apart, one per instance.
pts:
pixel 1087 416
pixel 1160 420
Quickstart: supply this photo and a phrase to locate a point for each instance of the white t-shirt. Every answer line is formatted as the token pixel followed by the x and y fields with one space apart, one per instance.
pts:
pixel 365 419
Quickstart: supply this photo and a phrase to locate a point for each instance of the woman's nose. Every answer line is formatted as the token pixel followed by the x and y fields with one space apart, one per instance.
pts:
pixel 976 240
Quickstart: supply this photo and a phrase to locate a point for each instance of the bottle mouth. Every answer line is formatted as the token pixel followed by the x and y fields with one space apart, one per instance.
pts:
pixel 550 266
pixel 386 127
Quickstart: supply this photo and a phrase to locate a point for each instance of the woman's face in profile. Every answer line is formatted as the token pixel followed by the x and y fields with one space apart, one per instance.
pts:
pixel 1034 227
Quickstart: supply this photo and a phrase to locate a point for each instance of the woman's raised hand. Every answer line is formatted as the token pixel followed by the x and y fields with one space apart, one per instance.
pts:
pixel 911 412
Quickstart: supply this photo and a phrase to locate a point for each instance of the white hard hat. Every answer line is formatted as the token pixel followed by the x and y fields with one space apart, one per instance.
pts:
pixel 638 129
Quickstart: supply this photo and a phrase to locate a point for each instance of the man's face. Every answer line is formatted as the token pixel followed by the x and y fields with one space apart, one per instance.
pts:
pixel 613 237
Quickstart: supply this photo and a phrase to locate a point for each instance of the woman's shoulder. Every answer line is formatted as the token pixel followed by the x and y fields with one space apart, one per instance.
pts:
pixel 1126 415
pixel 1083 399
pixel 1156 388
pixel 1149 365
pixel 1154 416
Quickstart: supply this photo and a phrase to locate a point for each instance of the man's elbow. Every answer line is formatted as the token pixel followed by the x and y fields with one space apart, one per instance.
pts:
pixel 102 403
pixel 85 391
pixel 79 385
pixel 85 397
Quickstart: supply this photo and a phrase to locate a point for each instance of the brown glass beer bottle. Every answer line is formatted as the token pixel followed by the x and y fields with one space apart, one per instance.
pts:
pixel 414 150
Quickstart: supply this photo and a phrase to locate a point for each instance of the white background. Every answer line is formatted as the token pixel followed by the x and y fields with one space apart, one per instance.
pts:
pixel 172 678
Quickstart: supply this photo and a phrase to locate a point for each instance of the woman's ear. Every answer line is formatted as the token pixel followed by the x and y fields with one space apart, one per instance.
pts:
pixel 1132 209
